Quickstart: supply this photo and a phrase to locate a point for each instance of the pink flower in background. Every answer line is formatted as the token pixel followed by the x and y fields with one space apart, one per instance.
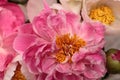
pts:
pixel 11 17
pixel 3 1
pixel 56 41
pixel 7 53
pixel 107 12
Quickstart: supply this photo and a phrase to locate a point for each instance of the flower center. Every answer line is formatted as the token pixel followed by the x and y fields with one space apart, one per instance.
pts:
pixel 67 46
pixel 18 74
pixel 103 14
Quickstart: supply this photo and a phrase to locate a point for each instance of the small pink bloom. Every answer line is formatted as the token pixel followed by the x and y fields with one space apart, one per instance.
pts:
pixel 58 42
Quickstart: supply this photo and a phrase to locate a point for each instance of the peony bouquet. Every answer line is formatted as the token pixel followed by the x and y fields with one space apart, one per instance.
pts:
pixel 59 39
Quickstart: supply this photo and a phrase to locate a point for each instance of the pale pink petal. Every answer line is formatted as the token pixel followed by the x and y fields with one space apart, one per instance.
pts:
pixel 30 60
pixel 34 7
pixel 48 64
pixel 98 69
pixel 93 34
pixel 41 27
pixel 63 68
pixel 57 6
pixel 78 56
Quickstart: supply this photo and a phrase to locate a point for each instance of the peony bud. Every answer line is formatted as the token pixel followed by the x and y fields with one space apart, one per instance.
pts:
pixel 113 60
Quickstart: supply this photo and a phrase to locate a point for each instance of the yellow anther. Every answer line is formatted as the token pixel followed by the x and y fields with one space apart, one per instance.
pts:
pixel 103 14
pixel 18 74
pixel 67 46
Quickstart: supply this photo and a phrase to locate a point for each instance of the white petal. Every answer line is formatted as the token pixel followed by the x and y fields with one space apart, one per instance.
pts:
pixel 10 71
pixel 12 66
pixel 35 6
pixel 72 5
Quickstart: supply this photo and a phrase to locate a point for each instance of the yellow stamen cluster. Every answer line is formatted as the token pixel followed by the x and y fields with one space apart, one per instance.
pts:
pixel 103 14
pixel 18 74
pixel 68 45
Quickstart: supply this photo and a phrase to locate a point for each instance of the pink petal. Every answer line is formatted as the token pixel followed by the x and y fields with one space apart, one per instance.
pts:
pixel 73 77
pixel 14 16
pixel 30 60
pixel 26 28
pixel 6 28
pixel 48 64
pixel 15 9
pixel 1 75
pixel 41 26
pixel 41 76
pixel 93 36
pixel 3 1
pixel 12 66
pixel 63 68
pixel 23 41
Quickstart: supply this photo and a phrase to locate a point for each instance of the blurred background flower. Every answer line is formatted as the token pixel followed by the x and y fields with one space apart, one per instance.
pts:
pixel 107 12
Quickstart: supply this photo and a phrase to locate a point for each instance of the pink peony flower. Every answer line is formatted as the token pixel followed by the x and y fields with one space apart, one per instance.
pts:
pixel 10 18
pixel 10 12
pixel 56 41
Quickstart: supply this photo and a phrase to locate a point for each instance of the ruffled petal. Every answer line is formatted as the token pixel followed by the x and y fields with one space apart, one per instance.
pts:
pixel 48 64
pixel 63 68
